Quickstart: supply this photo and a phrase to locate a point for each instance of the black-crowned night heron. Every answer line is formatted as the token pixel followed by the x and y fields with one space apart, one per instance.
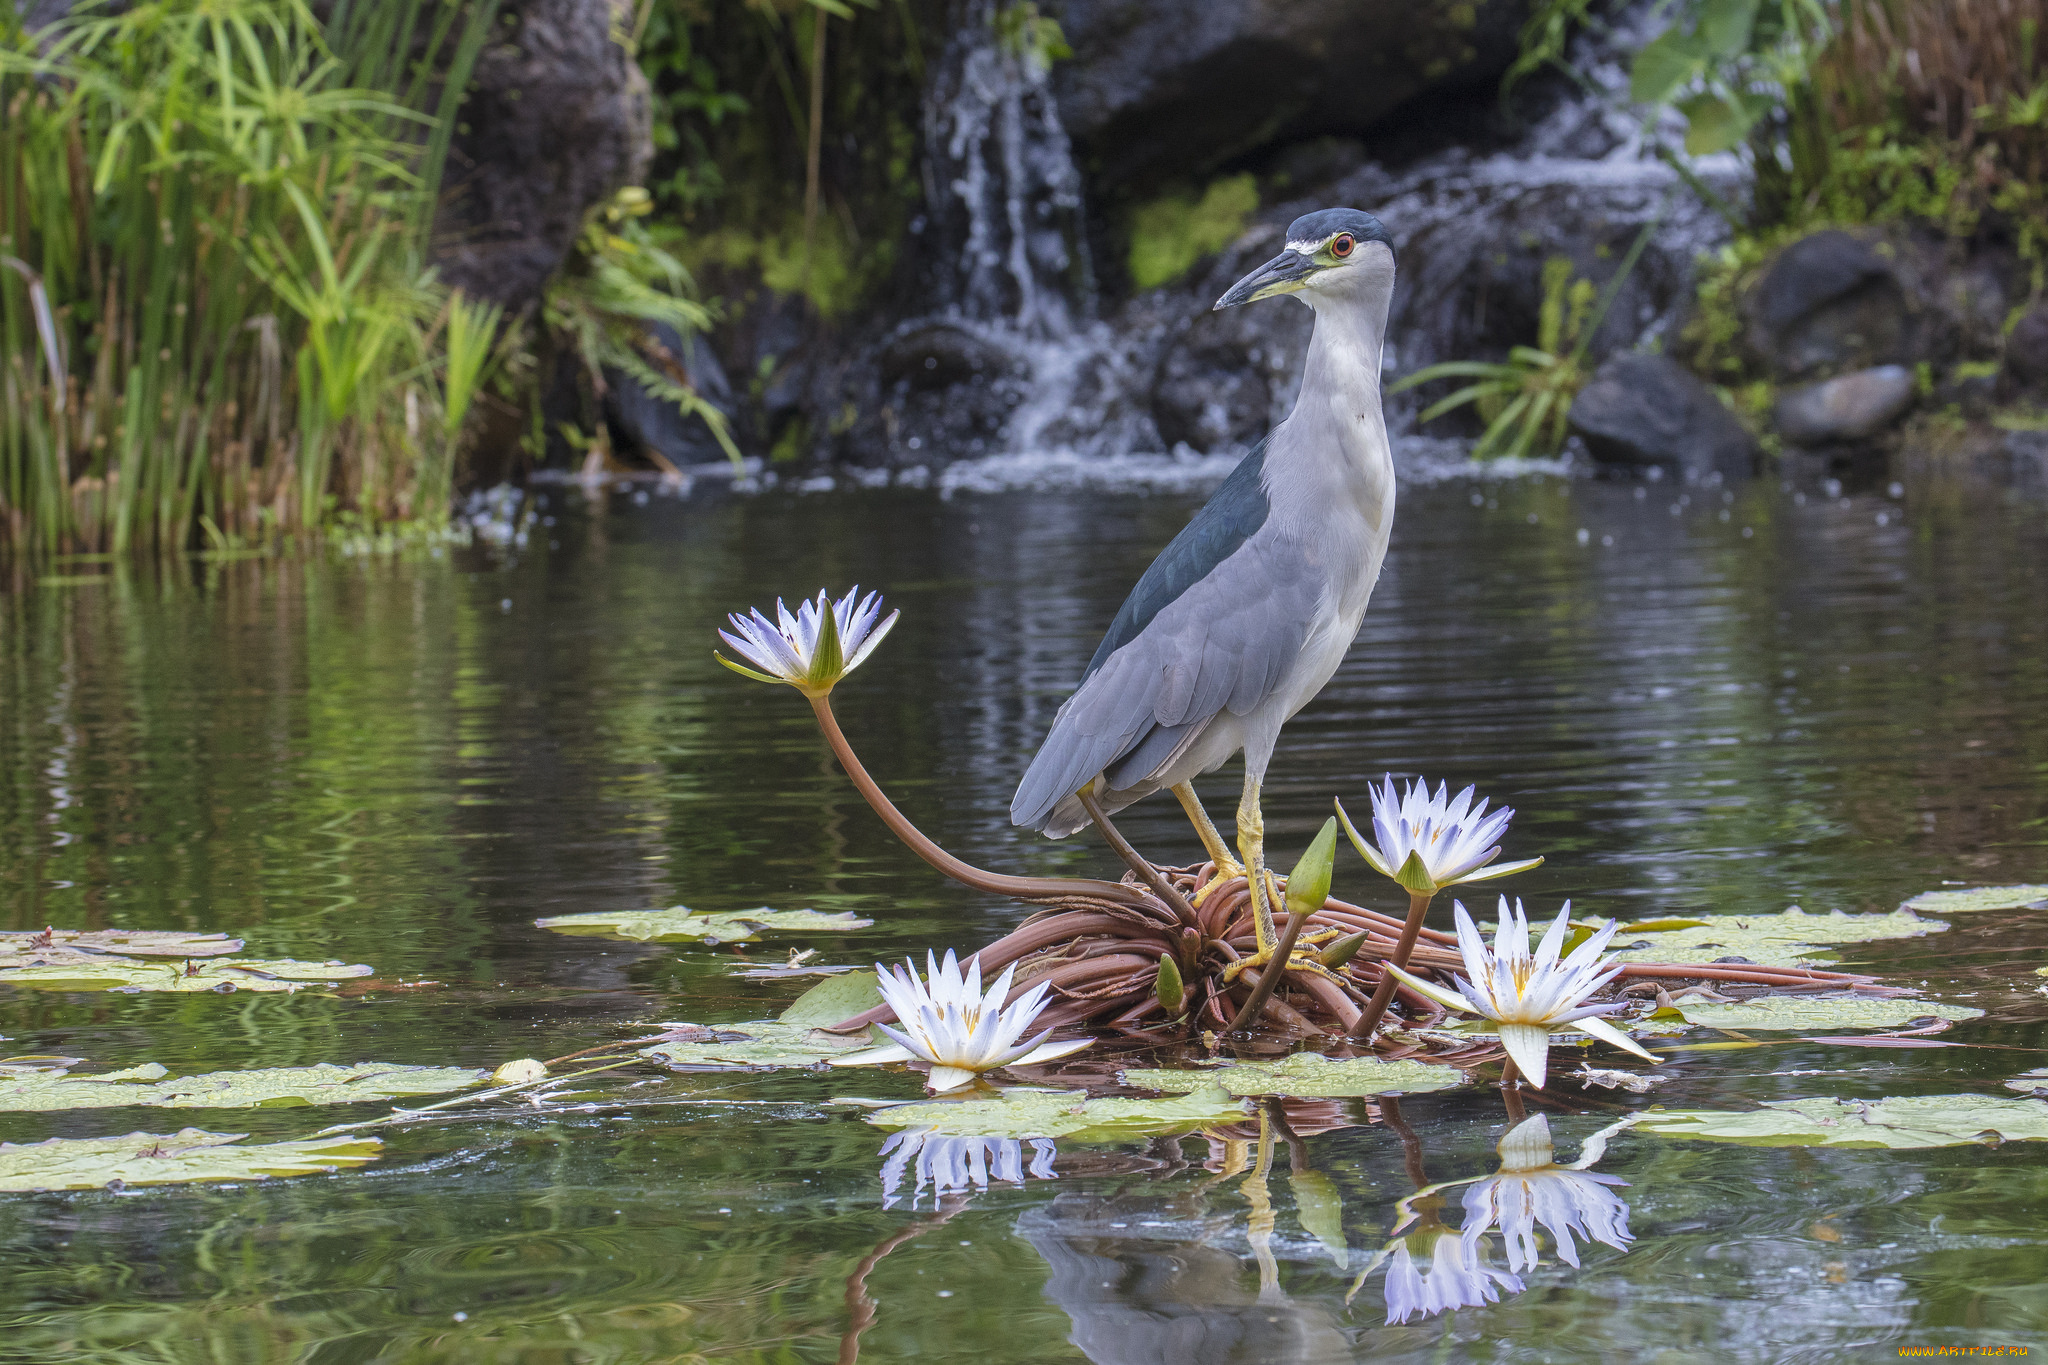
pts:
pixel 1247 613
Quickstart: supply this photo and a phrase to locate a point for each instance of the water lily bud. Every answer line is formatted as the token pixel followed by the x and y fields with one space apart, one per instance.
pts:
pixel 1342 951
pixel 1172 990
pixel 521 1072
pixel 1308 886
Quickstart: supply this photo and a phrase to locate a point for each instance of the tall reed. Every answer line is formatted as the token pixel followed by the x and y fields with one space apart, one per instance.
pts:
pixel 218 310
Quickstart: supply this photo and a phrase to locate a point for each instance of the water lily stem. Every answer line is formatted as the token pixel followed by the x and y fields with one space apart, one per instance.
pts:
pixel 1136 861
pixel 1418 906
pixel 1022 888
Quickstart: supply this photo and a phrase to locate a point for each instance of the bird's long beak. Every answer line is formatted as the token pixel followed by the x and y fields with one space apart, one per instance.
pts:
pixel 1283 274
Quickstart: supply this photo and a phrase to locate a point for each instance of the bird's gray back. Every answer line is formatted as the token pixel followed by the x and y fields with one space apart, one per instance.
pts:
pixel 1213 626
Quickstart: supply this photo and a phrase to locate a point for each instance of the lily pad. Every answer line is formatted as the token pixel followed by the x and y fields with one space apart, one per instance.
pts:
pixel 222 975
pixel 1800 1013
pixel 1977 898
pixel 680 924
pixel 273 1088
pixel 1919 1121
pixel 2033 1082
pixel 1068 1114
pixel 21 948
pixel 1307 1076
pixel 759 1046
pixel 179 1158
pixel 1790 938
pixel 835 999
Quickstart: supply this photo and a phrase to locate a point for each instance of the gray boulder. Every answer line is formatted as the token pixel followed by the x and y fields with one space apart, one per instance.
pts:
pixel 1642 409
pixel 1156 91
pixel 1830 302
pixel 1851 407
pixel 2026 348
pixel 557 120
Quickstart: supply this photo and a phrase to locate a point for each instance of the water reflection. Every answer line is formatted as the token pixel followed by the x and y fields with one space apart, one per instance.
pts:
pixel 954 1165
pixel 1531 1188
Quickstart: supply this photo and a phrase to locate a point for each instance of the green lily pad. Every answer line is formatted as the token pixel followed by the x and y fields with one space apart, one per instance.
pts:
pixel 179 1158
pixel 22 948
pixel 273 1088
pixel 1790 938
pixel 2033 1082
pixel 834 999
pixel 680 924
pixel 1307 1076
pixel 222 975
pixel 759 1046
pixel 1067 1114
pixel 1919 1121
pixel 1801 1013
pixel 1979 898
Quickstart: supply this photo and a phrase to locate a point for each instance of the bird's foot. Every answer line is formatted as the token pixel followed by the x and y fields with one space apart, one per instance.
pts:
pixel 1225 872
pixel 1302 959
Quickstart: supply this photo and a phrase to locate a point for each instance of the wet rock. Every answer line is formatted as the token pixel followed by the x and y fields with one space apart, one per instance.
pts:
pixel 1830 302
pixel 1642 409
pixel 557 120
pixel 651 424
pixel 1849 408
pixel 939 356
pixel 1161 89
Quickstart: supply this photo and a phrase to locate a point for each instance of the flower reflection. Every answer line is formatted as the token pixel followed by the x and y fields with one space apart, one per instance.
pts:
pixel 1531 1188
pixel 1432 1269
pixel 953 1165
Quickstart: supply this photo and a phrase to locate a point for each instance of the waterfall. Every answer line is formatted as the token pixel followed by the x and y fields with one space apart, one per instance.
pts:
pixel 1006 235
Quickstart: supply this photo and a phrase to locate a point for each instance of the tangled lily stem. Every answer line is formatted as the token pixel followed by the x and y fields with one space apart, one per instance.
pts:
pixel 1098 944
pixel 1376 1008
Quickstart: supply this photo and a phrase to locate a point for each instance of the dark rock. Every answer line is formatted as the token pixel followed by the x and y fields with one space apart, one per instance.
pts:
pixel 1848 408
pixel 2026 348
pixel 939 356
pixel 557 120
pixel 1156 91
pixel 1642 409
pixel 651 424
pixel 1829 303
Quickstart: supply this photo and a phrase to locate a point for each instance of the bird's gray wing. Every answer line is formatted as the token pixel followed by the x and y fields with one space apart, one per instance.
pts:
pixel 1225 643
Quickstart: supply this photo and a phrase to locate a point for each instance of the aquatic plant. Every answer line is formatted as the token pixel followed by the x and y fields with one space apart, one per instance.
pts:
pixel 1531 1189
pixel 1168 945
pixel 1530 996
pixel 953 1165
pixel 962 1031
pixel 1426 843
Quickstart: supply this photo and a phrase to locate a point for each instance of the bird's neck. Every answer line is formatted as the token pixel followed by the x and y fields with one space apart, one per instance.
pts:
pixel 1337 423
pixel 1344 352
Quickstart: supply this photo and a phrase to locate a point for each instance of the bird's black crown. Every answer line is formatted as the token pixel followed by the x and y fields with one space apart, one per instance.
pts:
pixel 1326 223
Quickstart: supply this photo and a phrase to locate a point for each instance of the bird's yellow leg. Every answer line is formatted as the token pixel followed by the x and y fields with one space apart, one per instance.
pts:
pixel 1227 867
pixel 1251 842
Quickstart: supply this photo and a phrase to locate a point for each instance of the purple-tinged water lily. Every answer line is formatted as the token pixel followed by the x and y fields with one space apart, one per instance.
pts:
pixel 1429 842
pixel 812 649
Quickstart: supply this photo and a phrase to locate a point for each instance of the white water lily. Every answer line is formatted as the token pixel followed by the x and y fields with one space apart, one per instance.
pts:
pixel 1531 996
pixel 812 649
pixel 951 1165
pixel 1429 842
pixel 1432 1269
pixel 1531 1188
pixel 947 1020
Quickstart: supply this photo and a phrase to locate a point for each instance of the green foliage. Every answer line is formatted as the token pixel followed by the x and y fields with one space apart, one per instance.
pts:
pixel 216 241
pixel 1171 233
pixel 1306 1075
pixel 1030 36
pixel 680 924
pixel 184 1157
pixel 1899 1123
pixel 1526 398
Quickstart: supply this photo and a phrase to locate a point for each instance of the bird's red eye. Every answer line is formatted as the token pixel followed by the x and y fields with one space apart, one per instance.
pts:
pixel 1342 246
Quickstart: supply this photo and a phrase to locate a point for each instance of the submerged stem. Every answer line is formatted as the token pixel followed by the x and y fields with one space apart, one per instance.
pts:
pixel 1023 888
pixel 1135 860
pixel 1418 906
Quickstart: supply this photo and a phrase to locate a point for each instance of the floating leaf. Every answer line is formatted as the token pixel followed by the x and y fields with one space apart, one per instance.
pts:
pixel 835 1000
pixel 1798 1013
pixel 1789 938
pixel 759 1046
pixel 1024 1113
pixel 223 975
pixel 679 924
pixel 1307 1076
pixel 272 1088
pixel 1979 898
pixel 1919 1121
pixel 188 1155
pixel 2033 1082
pixel 22 948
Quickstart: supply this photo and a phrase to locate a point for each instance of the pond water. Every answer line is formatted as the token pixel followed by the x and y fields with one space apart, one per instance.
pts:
pixel 1699 700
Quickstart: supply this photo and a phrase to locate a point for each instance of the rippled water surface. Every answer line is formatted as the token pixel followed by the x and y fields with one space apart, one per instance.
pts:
pixel 1698 700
